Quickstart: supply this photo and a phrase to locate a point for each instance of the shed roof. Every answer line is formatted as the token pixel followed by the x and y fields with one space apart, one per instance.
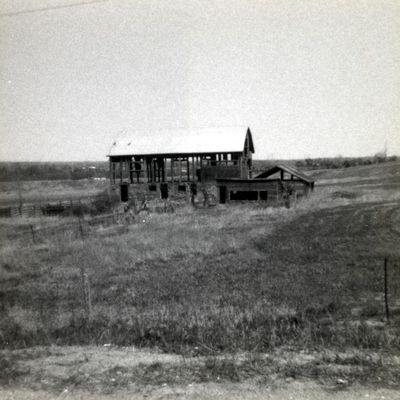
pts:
pixel 290 170
pixel 183 141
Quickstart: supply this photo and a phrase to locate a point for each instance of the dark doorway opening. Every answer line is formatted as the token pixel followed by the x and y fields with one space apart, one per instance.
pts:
pixel 244 195
pixel 124 192
pixel 222 194
pixel 164 190
pixel 181 188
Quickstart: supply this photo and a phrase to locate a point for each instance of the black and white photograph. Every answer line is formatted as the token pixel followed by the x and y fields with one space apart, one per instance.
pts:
pixel 199 199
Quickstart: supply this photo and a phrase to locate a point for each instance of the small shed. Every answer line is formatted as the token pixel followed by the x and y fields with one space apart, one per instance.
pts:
pixel 280 183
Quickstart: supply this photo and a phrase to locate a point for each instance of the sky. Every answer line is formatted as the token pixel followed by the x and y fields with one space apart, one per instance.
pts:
pixel 310 78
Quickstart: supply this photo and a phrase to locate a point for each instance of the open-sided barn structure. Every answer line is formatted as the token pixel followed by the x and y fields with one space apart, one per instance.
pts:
pixel 279 182
pixel 182 156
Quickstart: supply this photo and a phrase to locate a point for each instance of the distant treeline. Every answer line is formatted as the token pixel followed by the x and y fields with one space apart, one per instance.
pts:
pixel 342 162
pixel 324 163
pixel 30 171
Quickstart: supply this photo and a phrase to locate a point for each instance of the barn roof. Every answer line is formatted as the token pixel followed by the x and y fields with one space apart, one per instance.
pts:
pixel 183 141
pixel 290 170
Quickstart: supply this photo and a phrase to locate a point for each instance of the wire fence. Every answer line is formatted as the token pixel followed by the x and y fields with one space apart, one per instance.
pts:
pixel 79 227
pixel 50 208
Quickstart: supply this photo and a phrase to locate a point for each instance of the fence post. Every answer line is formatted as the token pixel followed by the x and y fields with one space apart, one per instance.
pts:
pixel 385 273
pixel 33 234
pixel 81 228
pixel 86 295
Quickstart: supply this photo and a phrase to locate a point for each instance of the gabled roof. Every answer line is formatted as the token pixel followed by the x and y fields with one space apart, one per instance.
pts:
pixel 290 170
pixel 182 141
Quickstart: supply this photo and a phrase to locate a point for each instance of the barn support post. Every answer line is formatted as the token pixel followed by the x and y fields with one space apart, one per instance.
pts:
pixel 120 170
pixel 180 169
pixel 187 168
pixel 145 170
pixel 157 170
pixel 149 176
pixel 172 170
pixel 149 170
pixel 164 161
pixel 130 172
pixel 149 173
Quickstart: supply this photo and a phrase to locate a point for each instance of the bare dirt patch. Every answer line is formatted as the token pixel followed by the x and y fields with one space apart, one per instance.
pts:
pixel 69 372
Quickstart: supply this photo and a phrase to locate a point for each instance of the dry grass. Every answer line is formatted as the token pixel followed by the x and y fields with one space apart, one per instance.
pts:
pixel 12 193
pixel 227 279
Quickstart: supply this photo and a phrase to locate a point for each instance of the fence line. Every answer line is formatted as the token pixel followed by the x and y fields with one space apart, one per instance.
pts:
pixel 80 228
pixel 49 208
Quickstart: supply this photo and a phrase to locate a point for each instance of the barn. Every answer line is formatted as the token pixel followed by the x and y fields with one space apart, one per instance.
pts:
pixel 177 156
pixel 278 183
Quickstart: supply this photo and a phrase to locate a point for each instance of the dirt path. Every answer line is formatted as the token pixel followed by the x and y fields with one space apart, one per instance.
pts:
pixel 297 390
pixel 107 372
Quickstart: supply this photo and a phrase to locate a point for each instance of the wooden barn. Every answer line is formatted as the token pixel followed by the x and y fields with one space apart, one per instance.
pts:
pixel 278 183
pixel 178 156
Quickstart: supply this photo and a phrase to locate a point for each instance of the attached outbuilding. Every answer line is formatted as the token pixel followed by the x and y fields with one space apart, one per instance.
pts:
pixel 280 183
pixel 284 173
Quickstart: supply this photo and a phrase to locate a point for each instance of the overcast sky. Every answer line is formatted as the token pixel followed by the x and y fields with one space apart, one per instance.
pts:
pixel 310 78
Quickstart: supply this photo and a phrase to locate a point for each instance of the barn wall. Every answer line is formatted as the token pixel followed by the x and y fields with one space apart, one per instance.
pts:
pixel 211 173
pixel 250 185
pixel 271 190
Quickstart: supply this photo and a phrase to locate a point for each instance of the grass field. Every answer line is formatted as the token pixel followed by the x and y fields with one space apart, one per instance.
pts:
pixel 13 193
pixel 242 279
